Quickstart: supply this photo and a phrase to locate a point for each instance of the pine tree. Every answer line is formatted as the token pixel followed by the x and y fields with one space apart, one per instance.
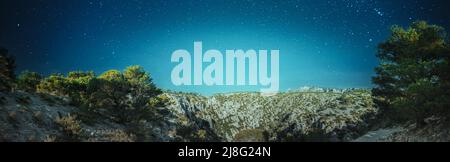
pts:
pixel 412 79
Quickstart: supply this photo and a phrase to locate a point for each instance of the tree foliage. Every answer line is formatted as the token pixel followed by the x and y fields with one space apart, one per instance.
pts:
pixel 7 67
pixel 126 96
pixel 55 84
pixel 28 81
pixel 412 79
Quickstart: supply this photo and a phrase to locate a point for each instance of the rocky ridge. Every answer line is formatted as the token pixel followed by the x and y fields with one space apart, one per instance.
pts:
pixel 339 114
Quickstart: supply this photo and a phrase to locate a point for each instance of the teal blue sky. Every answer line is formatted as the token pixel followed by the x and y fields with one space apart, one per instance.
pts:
pixel 322 43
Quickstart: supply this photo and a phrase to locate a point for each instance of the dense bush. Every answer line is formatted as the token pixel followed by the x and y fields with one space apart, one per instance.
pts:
pixel 55 84
pixel 28 81
pixel 124 96
pixel 412 79
pixel 7 67
pixel 77 83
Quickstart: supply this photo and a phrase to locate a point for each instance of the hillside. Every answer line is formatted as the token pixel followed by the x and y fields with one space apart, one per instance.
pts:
pixel 291 116
pixel 285 116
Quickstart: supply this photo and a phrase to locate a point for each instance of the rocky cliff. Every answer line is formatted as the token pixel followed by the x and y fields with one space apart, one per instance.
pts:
pixel 293 115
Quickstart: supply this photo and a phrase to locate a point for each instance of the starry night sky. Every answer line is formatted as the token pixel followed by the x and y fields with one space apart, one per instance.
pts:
pixel 326 43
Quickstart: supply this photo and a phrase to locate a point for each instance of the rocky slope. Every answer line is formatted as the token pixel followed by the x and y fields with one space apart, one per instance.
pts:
pixel 304 115
pixel 40 117
pixel 341 115
pixel 435 130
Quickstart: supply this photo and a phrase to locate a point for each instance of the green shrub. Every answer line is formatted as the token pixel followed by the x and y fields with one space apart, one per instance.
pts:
pixel 77 83
pixel 55 84
pixel 160 101
pixel 124 96
pixel 28 81
pixel 202 134
pixel 74 86
pixel 127 96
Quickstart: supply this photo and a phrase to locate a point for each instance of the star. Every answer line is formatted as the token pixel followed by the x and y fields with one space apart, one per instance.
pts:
pixel 378 12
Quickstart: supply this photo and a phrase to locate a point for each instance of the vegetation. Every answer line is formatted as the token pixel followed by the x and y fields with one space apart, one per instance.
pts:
pixel 70 125
pixel 55 84
pixel 119 136
pixel 413 77
pixel 412 84
pixel 7 67
pixel 251 135
pixel 28 81
pixel 128 96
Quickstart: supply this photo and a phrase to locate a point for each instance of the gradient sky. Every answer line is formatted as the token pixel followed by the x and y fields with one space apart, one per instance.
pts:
pixel 326 43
